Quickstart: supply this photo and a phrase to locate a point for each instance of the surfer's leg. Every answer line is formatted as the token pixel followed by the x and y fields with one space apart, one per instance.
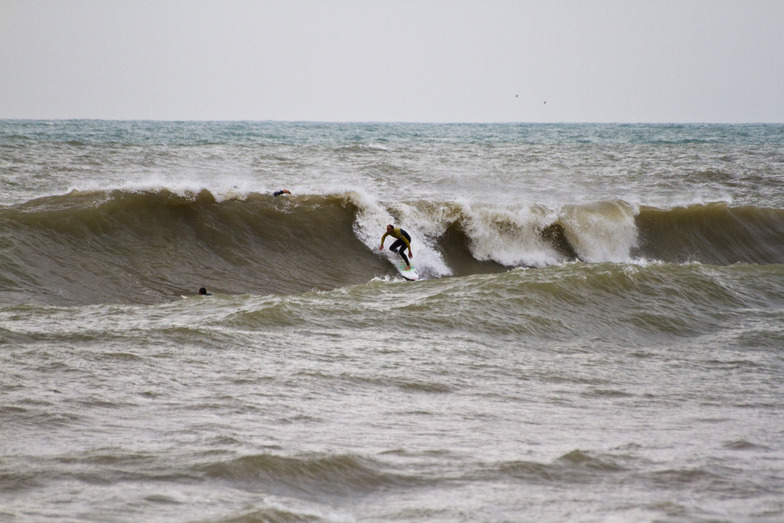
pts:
pixel 400 248
pixel 403 249
pixel 395 245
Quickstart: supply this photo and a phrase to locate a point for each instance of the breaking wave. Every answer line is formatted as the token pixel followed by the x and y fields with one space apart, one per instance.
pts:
pixel 147 246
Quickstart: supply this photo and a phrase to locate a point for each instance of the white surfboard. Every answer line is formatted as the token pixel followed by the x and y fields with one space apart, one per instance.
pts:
pixel 410 274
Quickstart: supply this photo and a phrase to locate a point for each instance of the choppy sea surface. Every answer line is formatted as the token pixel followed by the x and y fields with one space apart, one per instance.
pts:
pixel 598 333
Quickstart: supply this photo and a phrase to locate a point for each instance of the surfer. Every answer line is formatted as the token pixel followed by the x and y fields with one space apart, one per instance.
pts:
pixel 403 241
pixel 203 292
pixel 282 191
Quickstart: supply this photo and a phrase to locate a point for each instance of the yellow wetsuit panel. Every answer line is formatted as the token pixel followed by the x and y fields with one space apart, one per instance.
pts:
pixel 396 234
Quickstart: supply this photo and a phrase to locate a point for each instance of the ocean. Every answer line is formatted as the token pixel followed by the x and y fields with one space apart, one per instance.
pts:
pixel 597 334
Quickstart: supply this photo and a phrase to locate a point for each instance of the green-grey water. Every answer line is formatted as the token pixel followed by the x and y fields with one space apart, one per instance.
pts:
pixel 597 334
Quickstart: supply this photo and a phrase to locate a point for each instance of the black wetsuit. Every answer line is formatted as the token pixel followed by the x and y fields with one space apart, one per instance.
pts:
pixel 399 246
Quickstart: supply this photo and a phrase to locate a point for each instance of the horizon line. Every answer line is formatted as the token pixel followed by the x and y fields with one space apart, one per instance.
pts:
pixel 377 122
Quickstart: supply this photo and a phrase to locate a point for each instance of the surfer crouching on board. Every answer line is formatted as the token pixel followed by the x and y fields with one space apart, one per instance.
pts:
pixel 403 240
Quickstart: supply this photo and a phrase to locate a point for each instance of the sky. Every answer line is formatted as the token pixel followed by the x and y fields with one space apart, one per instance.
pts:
pixel 714 61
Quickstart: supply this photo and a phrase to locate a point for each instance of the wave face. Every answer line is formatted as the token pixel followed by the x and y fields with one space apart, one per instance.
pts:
pixel 717 234
pixel 123 246
pixel 140 247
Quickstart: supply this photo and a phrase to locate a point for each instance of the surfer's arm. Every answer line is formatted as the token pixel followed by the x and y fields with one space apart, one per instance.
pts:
pixel 382 241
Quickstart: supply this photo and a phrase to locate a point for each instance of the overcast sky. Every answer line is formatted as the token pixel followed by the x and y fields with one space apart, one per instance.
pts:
pixel 395 60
